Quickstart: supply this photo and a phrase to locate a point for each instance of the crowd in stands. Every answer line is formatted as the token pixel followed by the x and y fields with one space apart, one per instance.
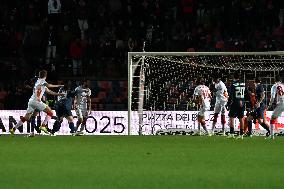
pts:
pixel 73 39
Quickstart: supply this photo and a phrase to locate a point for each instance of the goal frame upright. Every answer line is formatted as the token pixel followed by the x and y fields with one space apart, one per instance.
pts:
pixel 131 70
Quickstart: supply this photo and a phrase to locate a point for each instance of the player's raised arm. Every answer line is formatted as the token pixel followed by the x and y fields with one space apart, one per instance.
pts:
pixel 53 93
pixel 53 86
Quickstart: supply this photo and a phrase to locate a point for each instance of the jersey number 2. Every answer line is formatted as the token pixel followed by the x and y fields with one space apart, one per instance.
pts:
pixel 240 92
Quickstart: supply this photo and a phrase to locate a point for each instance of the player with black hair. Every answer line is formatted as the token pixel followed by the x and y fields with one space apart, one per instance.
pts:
pixel 202 96
pixel 221 102
pixel 258 108
pixel 63 107
pixel 82 104
pixel 238 94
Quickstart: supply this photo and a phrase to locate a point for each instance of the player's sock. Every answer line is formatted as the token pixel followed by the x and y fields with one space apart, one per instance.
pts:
pixel 232 130
pixel 72 127
pixel 223 128
pixel 265 126
pixel 249 127
pixel 20 123
pixel 82 127
pixel 77 125
pixel 241 131
pixel 47 118
pixel 223 121
pixel 213 126
pixel 272 130
pixel 203 124
pixel 56 126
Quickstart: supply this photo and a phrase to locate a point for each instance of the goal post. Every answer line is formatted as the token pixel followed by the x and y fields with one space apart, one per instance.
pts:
pixel 163 81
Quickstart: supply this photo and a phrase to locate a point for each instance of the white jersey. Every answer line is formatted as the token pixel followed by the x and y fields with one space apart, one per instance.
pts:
pixel 204 92
pixel 39 90
pixel 221 93
pixel 82 95
pixel 277 92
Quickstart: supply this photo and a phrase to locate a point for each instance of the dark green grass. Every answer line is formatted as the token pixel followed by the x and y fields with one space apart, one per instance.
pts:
pixel 140 162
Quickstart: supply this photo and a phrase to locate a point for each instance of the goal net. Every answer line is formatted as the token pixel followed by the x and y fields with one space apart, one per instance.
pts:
pixel 161 85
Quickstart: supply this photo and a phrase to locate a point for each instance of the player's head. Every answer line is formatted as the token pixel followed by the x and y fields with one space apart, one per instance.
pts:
pixel 257 80
pixel 237 75
pixel 200 81
pixel 66 86
pixel 84 83
pixel 216 78
pixel 278 78
pixel 42 74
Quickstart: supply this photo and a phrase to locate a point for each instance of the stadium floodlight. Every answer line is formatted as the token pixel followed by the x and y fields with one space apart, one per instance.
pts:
pixel 163 81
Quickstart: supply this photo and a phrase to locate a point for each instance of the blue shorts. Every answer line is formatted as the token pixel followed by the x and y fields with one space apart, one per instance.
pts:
pixel 62 111
pixel 259 112
pixel 237 111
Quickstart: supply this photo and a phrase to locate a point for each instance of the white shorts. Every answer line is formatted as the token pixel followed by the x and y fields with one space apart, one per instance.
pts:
pixel 35 105
pixel 220 106
pixel 278 110
pixel 203 109
pixel 81 112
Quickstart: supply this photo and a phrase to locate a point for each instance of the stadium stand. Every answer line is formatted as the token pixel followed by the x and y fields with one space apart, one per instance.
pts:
pixel 91 38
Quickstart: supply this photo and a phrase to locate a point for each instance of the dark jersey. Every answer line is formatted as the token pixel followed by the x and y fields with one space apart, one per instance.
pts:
pixel 258 92
pixel 66 100
pixel 238 94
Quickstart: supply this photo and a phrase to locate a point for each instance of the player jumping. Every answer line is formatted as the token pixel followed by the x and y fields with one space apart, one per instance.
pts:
pixel 221 102
pixel 82 105
pixel 277 92
pixel 35 103
pixel 202 95
pixel 238 93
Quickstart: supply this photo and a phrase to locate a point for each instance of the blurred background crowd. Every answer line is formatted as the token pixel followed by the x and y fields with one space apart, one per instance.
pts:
pixel 76 39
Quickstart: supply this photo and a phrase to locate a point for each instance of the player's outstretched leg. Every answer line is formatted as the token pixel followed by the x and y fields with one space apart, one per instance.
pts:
pixel 20 123
pixel 48 116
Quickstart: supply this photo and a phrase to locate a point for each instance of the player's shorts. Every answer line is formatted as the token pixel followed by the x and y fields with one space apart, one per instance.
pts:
pixel 35 105
pixel 203 109
pixel 259 112
pixel 82 112
pixel 220 106
pixel 236 111
pixel 278 110
pixel 62 111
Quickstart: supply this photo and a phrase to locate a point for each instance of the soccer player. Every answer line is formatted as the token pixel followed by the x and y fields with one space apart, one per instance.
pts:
pixel 258 108
pixel 82 104
pixel 221 102
pixel 63 108
pixel 35 103
pixel 238 93
pixel 202 95
pixel 277 92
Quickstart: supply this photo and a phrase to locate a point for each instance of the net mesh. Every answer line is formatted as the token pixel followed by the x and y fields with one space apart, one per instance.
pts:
pixel 169 80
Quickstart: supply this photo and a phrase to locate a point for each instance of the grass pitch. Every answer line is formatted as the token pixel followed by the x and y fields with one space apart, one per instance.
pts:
pixel 140 162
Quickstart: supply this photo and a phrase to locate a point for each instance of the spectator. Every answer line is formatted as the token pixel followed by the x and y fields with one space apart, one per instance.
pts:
pixel 76 53
pixel 65 38
pixel 82 16
pixel 51 44
pixel 54 9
